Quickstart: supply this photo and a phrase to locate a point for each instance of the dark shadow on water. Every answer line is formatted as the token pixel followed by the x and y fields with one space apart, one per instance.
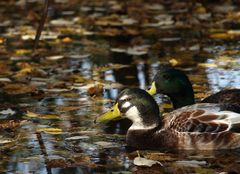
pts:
pixel 128 76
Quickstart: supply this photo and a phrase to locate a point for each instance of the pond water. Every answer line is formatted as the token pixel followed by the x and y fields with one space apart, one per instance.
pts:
pixel 89 52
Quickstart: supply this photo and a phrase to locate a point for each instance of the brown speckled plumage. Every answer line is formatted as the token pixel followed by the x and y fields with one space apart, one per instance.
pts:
pixel 203 126
pixel 191 128
pixel 225 96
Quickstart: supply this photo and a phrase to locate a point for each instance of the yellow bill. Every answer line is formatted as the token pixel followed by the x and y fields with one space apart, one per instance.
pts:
pixel 153 89
pixel 112 114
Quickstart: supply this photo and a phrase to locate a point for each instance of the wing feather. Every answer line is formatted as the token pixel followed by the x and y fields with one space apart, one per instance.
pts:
pixel 201 121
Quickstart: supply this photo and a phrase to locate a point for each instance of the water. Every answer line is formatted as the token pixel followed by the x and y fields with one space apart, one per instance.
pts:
pixel 116 44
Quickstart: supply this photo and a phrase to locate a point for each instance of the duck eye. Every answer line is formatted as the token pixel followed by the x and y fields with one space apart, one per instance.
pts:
pixel 166 76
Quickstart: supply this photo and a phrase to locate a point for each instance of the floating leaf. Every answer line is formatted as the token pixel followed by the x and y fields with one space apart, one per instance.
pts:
pixel 160 156
pixel 5 80
pixel 67 108
pixel 9 124
pixel 77 138
pixel 209 65
pixel 54 163
pixel 139 161
pixel 6 141
pixel 1 40
pixel 4 68
pixel 45 117
pixel 67 40
pixel 49 117
pixel 55 57
pixel 220 36
pixel 192 163
pixel 18 88
pixel 173 62
pixel 23 51
pixel 9 111
pixel 32 114
pixel 95 90
pixel 50 130
pixel 77 78
pixel 105 144
pixel 84 56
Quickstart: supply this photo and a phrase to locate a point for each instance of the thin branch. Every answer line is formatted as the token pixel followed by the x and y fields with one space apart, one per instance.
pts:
pixel 41 23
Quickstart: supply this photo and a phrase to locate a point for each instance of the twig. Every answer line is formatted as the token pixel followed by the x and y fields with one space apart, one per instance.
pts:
pixel 41 23
pixel 44 151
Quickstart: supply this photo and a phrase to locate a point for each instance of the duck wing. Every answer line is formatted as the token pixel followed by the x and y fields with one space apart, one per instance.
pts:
pixel 200 119
pixel 224 96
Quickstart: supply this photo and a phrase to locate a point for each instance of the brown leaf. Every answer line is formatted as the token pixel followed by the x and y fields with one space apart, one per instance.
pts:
pixel 18 88
pixel 9 124
pixel 67 40
pixel 4 68
pixel 95 90
pixel 62 163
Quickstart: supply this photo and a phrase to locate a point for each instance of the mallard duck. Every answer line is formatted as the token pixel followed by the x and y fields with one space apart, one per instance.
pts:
pixel 199 126
pixel 176 85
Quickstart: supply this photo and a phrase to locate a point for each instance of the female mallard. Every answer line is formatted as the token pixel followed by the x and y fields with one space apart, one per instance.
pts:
pixel 200 126
pixel 175 84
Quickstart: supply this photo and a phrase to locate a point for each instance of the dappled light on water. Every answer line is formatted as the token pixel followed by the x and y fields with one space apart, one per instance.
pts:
pixel 88 53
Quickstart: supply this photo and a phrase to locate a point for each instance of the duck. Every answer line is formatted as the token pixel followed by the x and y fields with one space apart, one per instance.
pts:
pixel 176 85
pixel 202 126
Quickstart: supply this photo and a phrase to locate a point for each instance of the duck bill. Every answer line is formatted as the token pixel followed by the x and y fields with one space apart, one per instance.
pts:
pixel 112 114
pixel 153 89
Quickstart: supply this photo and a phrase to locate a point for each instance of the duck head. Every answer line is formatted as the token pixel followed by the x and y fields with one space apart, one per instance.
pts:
pixel 175 84
pixel 136 105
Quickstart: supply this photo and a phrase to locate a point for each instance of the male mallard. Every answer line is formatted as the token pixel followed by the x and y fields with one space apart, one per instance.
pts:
pixel 175 84
pixel 200 126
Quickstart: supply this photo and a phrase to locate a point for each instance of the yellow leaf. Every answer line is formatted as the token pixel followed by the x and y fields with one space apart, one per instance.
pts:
pixel 50 130
pixel 48 116
pixel 220 36
pixel 173 62
pixel 22 51
pixel 45 117
pixel 25 70
pixel 234 32
pixel 1 40
pixel 32 114
pixel 201 10
pixel 78 78
pixel 67 40
pixel 209 65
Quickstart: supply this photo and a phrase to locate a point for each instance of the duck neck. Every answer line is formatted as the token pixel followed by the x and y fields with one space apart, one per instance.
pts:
pixel 143 138
pixel 141 126
pixel 182 99
pixel 155 138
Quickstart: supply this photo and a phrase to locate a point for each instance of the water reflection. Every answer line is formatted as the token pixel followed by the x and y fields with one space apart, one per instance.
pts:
pixel 220 78
pixel 133 75
pixel 72 111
